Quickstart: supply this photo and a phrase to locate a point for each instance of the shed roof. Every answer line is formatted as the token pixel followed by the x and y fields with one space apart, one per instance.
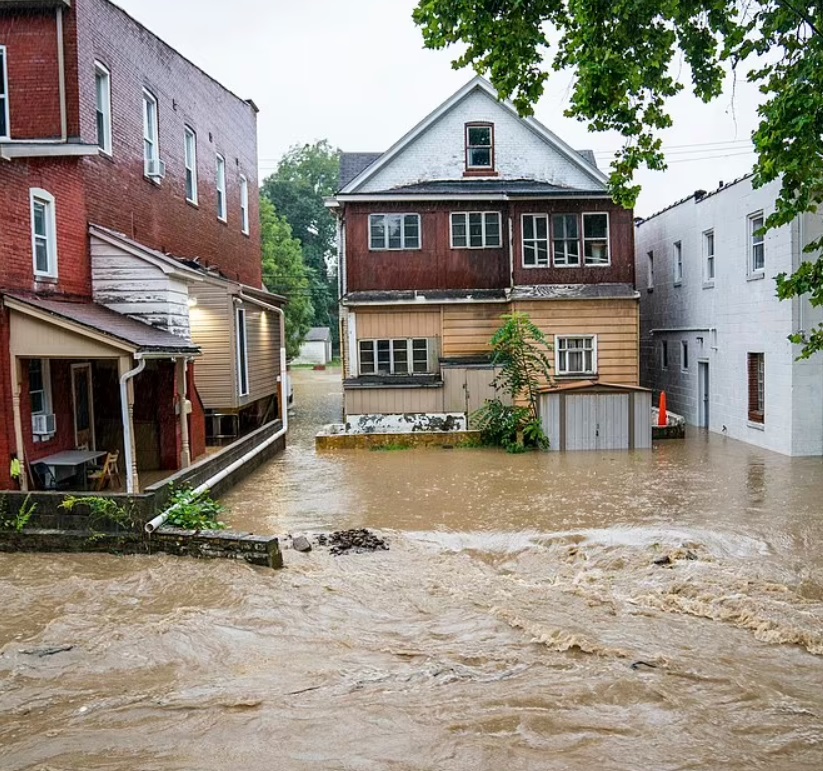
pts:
pixel 104 321
pixel 591 385
pixel 318 335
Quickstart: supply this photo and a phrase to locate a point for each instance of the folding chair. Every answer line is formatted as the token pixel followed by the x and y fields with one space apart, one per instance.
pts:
pixel 103 476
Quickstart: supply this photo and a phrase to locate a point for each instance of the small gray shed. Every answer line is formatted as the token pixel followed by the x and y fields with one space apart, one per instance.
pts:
pixel 592 415
pixel 316 348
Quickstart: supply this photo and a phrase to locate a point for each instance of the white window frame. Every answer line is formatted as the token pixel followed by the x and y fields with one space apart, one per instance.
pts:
pixel 151 134
pixel 483 215
pixel 190 162
pixel 535 241
pixel 684 355
pixel 560 348
pixel 677 262
pixel 490 146
pixel 402 247
pixel 650 270
pixel 554 238
pixel 409 355
pixel 584 239
pixel 220 185
pixel 244 205
pixel 242 331
pixel 754 241
pixel 48 409
pixel 44 197
pixel 709 257
pixel 4 97
pixel 101 72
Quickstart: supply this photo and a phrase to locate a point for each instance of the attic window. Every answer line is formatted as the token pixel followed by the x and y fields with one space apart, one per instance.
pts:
pixel 479 146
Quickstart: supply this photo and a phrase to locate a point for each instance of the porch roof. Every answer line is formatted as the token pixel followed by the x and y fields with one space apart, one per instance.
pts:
pixel 101 321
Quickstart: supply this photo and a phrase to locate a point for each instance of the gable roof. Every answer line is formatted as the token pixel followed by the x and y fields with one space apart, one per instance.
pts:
pixel 318 335
pixel 352 164
pixel 478 83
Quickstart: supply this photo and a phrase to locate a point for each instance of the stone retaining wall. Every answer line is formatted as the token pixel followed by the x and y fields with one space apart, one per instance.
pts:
pixel 254 549
pixel 334 441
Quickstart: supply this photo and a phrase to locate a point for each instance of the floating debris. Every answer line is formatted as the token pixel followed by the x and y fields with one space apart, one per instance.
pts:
pixel 42 652
pixel 357 541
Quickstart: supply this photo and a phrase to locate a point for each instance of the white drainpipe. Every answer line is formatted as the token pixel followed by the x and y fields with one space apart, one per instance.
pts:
pixel 152 525
pixel 127 427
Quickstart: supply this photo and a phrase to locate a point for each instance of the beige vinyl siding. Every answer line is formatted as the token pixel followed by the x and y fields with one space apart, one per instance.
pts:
pixel 263 336
pixel 467 329
pixel 382 324
pixel 212 329
pixel 389 401
pixel 615 322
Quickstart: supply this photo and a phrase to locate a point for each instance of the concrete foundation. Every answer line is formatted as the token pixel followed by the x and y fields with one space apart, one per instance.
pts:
pixel 336 438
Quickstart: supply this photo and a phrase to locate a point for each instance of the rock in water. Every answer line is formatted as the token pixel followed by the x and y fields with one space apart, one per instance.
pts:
pixel 301 543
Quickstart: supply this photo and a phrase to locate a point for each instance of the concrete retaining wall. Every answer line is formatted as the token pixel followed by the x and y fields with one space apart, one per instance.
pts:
pixel 341 441
pixel 254 549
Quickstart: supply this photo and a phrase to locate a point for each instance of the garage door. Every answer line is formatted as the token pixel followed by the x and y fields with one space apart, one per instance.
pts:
pixel 597 421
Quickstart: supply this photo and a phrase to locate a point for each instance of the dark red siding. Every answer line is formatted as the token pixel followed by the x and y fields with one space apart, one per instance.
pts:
pixel 437 266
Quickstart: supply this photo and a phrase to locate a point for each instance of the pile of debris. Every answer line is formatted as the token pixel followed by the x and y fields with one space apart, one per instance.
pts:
pixel 343 542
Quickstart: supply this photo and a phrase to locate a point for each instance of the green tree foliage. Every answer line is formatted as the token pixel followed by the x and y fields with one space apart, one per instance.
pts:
pixel 625 55
pixel 305 176
pixel 284 272
pixel 521 352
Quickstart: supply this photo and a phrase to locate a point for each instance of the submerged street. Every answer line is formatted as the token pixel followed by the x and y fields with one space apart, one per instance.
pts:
pixel 629 610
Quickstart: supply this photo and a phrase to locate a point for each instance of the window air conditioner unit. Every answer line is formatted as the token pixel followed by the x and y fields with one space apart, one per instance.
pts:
pixel 43 425
pixel 155 168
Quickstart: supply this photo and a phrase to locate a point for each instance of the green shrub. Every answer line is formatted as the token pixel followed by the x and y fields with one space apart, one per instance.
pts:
pixel 194 511
pixel 21 519
pixel 100 510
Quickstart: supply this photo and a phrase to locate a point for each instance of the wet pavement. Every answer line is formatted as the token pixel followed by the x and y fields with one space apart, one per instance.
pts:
pixel 657 609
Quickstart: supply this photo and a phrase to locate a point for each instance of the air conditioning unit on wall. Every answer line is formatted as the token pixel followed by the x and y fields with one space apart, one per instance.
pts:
pixel 155 168
pixel 43 425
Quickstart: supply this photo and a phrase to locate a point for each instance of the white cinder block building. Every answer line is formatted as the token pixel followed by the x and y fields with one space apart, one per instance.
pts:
pixel 714 334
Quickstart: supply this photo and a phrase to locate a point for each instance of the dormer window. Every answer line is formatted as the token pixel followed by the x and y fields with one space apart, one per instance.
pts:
pixel 479 146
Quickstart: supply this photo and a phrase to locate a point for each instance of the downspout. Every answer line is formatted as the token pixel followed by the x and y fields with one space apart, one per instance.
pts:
pixel 61 74
pixel 127 427
pixel 152 525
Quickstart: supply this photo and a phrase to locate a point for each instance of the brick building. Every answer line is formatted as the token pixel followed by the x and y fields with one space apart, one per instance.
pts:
pixel 133 316
pixel 473 214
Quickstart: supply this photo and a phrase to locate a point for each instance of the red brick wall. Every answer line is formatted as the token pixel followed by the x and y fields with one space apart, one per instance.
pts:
pixel 120 197
pixel 62 178
pixel 31 48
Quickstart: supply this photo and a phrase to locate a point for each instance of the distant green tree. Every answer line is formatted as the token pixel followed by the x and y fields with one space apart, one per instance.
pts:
pixel 284 272
pixel 305 176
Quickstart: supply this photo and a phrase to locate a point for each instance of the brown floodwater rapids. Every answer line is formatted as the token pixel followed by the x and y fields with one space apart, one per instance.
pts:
pixel 503 628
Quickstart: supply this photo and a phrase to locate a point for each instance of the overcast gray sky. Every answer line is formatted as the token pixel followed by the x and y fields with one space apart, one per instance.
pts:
pixel 356 73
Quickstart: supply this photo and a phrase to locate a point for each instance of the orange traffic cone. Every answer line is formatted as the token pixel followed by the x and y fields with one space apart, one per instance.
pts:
pixel 663 416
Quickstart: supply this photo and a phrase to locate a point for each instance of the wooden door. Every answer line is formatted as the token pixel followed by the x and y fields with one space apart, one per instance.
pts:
pixel 83 407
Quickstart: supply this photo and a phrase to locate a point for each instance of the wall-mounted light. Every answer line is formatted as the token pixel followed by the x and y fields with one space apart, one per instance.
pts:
pixel 192 302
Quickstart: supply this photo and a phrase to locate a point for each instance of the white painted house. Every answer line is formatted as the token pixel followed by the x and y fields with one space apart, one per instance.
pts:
pixel 714 334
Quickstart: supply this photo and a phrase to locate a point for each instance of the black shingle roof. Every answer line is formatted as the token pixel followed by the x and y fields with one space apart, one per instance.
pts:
pixel 510 187
pixel 351 164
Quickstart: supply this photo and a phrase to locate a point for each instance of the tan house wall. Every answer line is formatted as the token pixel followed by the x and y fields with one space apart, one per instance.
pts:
pixel 467 329
pixel 369 401
pixel 383 323
pixel 263 342
pixel 212 329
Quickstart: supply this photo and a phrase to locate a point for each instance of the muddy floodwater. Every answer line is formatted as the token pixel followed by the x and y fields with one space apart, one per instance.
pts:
pixel 519 620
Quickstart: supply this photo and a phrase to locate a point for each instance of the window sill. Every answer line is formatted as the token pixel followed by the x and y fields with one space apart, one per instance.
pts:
pixel 678 283
pixel 756 276
pixel 594 265
pixel 193 204
pixel 222 221
pixel 153 180
pixel 649 289
pixel 565 376
pixel 42 278
pixel 481 173
pixel 755 425
pixel 708 285
pixel 394 381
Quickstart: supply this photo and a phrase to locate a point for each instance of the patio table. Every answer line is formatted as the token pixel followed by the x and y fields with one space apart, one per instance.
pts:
pixel 66 464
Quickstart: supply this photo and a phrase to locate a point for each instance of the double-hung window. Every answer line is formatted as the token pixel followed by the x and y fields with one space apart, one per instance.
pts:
pixel 757 387
pixel 102 99
pixel 43 233
pixel 708 249
pixel 244 205
pixel 394 232
pixel 757 257
pixel 596 238
pixel 242 353
pixel 220 176
pixel 535 240
pixel 5 129
pixel 576 355
pixel 479 147
pixel 566 243
pixel 151 136
pixel 677 262
pixel 394 357
pixel 190 150
pixel 476 230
